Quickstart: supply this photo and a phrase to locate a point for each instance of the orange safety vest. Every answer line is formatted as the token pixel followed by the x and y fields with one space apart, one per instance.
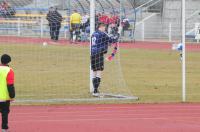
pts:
pixel 4 95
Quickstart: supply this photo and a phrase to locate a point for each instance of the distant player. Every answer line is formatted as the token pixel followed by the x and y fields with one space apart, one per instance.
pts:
pixel 99 46
pixel 178 47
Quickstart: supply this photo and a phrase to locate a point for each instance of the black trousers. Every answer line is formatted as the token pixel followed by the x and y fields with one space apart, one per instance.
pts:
pixel 54 31
pixel 75 29
pixel 4 109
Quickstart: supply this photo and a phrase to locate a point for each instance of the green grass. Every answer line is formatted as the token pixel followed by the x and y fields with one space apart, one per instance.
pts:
pixel 62 72
pixel 156 76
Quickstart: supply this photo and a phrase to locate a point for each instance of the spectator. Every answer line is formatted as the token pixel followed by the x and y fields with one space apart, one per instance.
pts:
pixel 2 11
pixel 113 24
pixel 5 5
pixel 6 10
pixel 55 19
pixel 114 19
pixel 125 25
pixel 113 29
pixel 104 19
pixel 75 23
pixel 97 16
pixel 10 11
pixel 85 23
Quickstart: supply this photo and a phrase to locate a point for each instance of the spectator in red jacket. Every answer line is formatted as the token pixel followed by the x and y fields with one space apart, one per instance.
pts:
pixel 105 20
pixel 114 19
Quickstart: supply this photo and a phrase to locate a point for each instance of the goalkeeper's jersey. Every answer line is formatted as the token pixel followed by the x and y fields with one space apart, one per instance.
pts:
pixel 100 41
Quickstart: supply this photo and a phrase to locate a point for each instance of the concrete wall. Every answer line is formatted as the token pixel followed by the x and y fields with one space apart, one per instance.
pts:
pixel 158 27
pixel 172 14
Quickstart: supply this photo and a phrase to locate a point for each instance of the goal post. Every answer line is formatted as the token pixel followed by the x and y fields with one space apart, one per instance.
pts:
pixel 183 53
pixel 197 31
pixel 92 29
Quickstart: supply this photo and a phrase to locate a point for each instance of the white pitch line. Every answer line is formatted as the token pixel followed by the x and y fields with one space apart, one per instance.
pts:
pixel 56 111
pixel 99 119
pixel 89 119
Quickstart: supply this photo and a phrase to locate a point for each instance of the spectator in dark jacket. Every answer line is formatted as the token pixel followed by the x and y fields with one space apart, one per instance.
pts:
pixel 55 19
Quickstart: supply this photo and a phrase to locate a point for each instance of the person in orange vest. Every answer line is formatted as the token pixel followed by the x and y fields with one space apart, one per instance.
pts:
pixel 7 89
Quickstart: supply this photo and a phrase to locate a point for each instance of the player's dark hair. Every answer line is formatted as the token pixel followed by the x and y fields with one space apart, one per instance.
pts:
pixel 5 59
pixel 101 24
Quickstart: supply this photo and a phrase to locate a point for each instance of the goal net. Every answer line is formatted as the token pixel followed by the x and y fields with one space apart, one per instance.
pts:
pixel 51 58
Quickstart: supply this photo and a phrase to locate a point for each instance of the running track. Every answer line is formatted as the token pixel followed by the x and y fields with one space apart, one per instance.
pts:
pixel 106 118
pixel 143 44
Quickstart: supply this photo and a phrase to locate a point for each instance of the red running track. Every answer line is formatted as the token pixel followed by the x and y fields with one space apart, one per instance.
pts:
pixel 106 118
pixel 62 42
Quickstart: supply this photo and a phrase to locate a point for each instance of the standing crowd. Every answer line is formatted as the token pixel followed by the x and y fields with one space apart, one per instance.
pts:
pixel 6 10
pixel 79 24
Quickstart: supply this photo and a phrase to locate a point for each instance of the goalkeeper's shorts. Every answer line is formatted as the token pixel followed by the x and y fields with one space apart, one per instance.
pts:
pixel 97 62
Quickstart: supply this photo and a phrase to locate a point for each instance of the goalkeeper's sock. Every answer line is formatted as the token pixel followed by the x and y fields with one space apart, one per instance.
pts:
pixel 98 81
pixel 97 84
pixel 94 81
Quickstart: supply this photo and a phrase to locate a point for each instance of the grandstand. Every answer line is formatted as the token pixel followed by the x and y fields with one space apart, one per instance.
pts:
pixel 162 14
pixel 34 11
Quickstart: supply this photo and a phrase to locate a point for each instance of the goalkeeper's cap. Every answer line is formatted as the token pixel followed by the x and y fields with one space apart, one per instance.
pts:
pixel 5 59
pixel 101 24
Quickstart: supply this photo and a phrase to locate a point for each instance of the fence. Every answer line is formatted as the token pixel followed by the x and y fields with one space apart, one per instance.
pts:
pixel 36 25
pixel 33 25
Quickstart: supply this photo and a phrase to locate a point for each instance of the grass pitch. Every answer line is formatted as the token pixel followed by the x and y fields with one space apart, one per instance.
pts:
pixel 52 72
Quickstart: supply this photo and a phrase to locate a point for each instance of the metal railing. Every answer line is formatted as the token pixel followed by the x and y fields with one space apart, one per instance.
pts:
pixel 145 30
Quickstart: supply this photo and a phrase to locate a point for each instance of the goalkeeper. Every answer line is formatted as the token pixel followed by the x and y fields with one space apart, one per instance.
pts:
pixel 99 46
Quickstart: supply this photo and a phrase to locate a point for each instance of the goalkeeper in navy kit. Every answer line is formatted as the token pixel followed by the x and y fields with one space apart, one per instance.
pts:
pixel 99 46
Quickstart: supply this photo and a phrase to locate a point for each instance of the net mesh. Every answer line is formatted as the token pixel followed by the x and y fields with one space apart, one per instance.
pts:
pixel 51 70
pixel 51 54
